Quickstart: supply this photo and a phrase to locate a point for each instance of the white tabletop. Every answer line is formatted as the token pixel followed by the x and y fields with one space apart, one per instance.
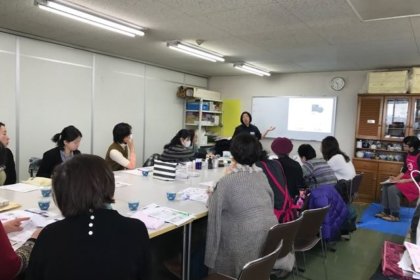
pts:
pixel 144 189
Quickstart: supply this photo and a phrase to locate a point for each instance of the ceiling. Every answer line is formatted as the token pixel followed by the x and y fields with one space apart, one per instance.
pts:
pixel 282 36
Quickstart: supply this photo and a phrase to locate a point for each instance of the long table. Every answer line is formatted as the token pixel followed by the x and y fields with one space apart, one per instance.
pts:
pixel 147 190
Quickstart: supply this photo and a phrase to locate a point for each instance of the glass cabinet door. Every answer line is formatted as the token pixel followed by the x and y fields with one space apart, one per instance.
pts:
pixel 396 117
pixel 416 117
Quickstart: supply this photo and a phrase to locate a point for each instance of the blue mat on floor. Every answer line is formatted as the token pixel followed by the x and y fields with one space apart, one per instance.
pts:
pixel 369 221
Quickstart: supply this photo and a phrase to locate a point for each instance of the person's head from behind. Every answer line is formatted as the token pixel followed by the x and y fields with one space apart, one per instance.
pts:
pixel 69 138
pixel 83 183
pixel 329 147
pixel 306 152
pixel 246 118
pixel 407 140
pixel 413 144
pixel 282 146
pixel 182 138
pixel 121 133
pixel 4 138
pixel 245 149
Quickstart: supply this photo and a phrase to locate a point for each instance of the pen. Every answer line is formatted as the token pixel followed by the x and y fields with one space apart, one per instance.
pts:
pixel 34 212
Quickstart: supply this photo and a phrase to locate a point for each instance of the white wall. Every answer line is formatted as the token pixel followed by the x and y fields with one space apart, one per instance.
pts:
pixel 45 87
pixel 303 84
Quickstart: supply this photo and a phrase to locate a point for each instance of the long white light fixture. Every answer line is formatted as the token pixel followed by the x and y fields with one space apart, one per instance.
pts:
pixel 195 51
pixel 251 69
pixel 83 15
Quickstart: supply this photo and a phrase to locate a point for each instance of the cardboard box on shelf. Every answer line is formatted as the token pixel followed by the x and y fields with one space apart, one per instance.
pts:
pixel 388 82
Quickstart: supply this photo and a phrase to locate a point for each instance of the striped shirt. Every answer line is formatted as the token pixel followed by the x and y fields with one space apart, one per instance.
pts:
pixel 317 172
pixel 177 153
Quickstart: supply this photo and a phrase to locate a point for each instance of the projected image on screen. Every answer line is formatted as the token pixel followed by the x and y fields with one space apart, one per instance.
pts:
pixel 310 114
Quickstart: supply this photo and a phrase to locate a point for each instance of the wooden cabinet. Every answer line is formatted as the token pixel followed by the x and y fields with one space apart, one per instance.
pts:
pixel 382 123
pixel 375 171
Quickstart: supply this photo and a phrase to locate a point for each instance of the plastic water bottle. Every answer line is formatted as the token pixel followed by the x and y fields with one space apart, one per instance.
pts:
pixel 210 163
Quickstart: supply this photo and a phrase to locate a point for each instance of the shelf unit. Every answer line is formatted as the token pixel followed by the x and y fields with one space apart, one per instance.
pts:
pixel 204 115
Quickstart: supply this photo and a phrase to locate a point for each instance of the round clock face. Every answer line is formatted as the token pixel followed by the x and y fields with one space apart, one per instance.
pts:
pixel 337 83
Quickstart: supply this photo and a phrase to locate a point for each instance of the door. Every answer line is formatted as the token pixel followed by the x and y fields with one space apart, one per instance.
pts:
pixel 369 114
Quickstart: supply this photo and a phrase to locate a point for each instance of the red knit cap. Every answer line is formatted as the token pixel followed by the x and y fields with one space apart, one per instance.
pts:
pixel 281 145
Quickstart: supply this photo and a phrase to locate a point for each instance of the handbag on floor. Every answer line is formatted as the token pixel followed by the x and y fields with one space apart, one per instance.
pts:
pixel 390 257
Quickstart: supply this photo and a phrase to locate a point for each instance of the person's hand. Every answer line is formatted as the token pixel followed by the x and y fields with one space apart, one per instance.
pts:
pixel 14 225
pixel 271 128
pixel 130 143
pixel 36 233
pixel 393 179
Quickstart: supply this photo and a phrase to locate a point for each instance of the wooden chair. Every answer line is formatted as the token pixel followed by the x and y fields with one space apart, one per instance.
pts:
pixel 258 269
pixel 310 233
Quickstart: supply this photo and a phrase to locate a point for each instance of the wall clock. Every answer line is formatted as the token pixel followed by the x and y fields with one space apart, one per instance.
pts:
pixel 337 83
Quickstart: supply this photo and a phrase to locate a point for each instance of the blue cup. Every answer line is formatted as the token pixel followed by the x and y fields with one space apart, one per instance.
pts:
pixel 46 191
pixel 170 195
pixel 198 164
pixel 133 205
pixel 145 173
pixel 44 204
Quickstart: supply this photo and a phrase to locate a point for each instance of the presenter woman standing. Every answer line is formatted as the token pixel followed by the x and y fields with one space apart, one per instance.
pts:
pixel 247 128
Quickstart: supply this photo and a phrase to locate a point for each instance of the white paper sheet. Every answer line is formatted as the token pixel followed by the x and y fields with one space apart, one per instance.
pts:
pixel 21 187
pixel 169 215
pixel 196 194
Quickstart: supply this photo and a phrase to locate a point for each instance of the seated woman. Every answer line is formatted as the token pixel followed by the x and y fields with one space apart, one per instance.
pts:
pixel 401 184
pixel 68 142
pixel 235 235
pixel 14 263
pixel 283 203
pixel 339 162
pixel 92 241
pixel 2 164
pixel 179 149
pixel 292 169
pixel 121 154
pixel 316 171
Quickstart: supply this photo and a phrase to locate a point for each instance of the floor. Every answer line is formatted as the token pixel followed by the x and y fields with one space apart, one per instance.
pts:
pixel 356 259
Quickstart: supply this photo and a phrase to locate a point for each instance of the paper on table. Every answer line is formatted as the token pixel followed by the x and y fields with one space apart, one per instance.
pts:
pixel 196 194
pixel 121 184
pixel 386 182
pixel 136 172
pixel 150 222
pixel 169 215
pixel 20 187
pixel 414 252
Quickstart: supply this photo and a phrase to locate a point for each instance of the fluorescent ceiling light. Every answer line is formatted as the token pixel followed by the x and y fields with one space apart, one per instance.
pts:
pixel 81 14
pixel 251 69
pixel 195 51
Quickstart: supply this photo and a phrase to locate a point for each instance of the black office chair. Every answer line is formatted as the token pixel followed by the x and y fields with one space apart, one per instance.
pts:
pixel 150 161
pixel 34 164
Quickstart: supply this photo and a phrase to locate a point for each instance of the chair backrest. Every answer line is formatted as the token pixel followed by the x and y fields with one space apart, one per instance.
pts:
pixel 34 164
pixel 355 185
pixel 260 268
pixel 309 232
pixel 277 233
pixel 150 161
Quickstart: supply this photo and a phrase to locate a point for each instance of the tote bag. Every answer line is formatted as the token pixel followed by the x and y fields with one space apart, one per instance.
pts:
pixel 164 170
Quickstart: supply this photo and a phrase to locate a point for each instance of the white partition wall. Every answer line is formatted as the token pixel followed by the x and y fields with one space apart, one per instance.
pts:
pixel 163 111
pixel 55 91
pixel 118 97
pixel 45 87
pixel 7 85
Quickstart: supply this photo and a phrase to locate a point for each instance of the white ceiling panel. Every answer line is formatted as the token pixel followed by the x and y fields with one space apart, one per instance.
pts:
pixel 280 35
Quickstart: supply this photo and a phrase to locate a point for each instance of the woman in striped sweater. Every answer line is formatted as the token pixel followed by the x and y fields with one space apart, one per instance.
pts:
pixel 179 149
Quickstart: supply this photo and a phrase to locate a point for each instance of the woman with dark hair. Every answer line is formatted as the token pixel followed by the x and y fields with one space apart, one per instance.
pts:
pixel 179 149
pixel 68 142
pixel 316 171
pixel 121 154
pixel 87 243
pixel 248 128
pixel 240 211
pixel 401 184
pixel 339 162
